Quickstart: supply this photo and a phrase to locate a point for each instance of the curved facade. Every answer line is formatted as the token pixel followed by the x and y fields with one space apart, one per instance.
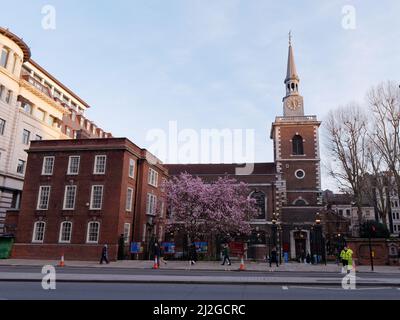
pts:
pixel 34 105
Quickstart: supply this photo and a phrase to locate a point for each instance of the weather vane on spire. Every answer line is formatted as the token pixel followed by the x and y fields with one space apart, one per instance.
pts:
pixel 290 37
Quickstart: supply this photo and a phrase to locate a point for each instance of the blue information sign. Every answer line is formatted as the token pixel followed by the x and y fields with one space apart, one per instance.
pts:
pixel 136 247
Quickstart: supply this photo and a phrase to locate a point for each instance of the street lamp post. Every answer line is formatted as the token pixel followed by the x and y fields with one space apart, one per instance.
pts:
pixel 319 238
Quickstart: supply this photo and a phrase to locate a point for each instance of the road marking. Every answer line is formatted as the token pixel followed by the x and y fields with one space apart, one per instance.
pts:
pixel 285 288
pixel 341 289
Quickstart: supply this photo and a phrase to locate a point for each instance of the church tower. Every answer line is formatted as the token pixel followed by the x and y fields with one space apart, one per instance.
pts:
pixel 297 159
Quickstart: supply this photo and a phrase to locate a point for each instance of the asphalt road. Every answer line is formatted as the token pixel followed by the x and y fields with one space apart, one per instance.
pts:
pixel 112 291
pixel 234 273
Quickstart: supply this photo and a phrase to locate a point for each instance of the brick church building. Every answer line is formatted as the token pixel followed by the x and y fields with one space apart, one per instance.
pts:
pixel 288 190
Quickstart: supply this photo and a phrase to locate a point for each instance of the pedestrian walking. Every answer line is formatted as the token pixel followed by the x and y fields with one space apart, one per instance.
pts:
pixel 157 252
pixel 225 253
pixel 347 259
pixel 308 258
pixel 104 255
pixel 192 254
pixel 273 258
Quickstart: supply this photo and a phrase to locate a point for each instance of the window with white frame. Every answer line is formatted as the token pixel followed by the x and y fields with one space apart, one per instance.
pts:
pixel 151 204
pixel 131 168
pixel 100 165
pixel 69 197
pixel 93 232
pixel 153 178
pixel 96 198
pixel 73 165
pixel 65 232
pixel 43 198
pixel 48 166
pixel 129 198
pixel 127 232
pixel 38 232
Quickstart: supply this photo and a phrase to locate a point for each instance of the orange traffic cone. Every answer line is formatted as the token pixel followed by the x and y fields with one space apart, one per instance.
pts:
pixel 242 267
pixel 155 265
pixel 62 262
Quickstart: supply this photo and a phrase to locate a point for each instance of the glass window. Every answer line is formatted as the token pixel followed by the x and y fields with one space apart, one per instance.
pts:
pixel 9 96
pixel 48 166
pixel 129 198
pixel 2 126
pixel 40 114
pixel 65 232
pixel 100 165
pixel 26 136
pixel 2 88
pixel 50 120
pixel 73 165
pixel 69 197
pixel 153 178
pixel 127 231
pixel 131 168
pixel 93 232
pixel 96 198
pixel 43 198
pixel 4 57
pixel 38 232
pixel 21 166
pixel 297 142
pixel 27 107
pixel 38 138
pixel 151 204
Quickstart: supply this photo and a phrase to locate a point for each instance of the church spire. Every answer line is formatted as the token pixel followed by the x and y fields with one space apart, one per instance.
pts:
pixel 292 79
pixel 293 101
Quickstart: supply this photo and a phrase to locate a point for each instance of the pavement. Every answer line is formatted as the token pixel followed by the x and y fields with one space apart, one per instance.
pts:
pixel 177 272
pixel 203 265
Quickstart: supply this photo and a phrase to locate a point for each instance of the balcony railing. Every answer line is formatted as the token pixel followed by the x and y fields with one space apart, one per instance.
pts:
pixel 39 86
pixel 296 118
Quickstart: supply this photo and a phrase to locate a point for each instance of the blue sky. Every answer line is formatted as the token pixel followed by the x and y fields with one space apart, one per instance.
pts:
pixel 208 63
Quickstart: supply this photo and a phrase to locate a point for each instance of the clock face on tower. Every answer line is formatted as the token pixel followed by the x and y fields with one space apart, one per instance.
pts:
pixel 294 103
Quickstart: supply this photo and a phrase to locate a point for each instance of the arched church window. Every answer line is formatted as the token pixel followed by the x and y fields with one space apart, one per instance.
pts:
pixel 292 86
pixel 298 148
pixel 259 197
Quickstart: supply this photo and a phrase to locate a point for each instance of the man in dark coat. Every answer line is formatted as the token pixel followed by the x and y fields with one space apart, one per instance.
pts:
pixel 104 255
pixel 192 254
pixel 273 258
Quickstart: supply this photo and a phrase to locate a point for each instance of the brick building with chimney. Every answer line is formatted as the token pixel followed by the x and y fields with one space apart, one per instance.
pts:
pixel 82 194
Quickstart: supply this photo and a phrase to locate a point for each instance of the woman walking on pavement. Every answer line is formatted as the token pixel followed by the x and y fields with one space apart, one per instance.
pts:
pixel 225 252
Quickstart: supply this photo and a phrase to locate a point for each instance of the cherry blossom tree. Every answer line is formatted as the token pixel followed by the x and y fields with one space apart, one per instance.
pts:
pixel 199 208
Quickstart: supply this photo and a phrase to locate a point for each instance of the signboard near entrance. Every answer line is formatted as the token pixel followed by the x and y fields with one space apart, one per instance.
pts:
pixel 201 247
pixel 136 247
pixel 168 247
